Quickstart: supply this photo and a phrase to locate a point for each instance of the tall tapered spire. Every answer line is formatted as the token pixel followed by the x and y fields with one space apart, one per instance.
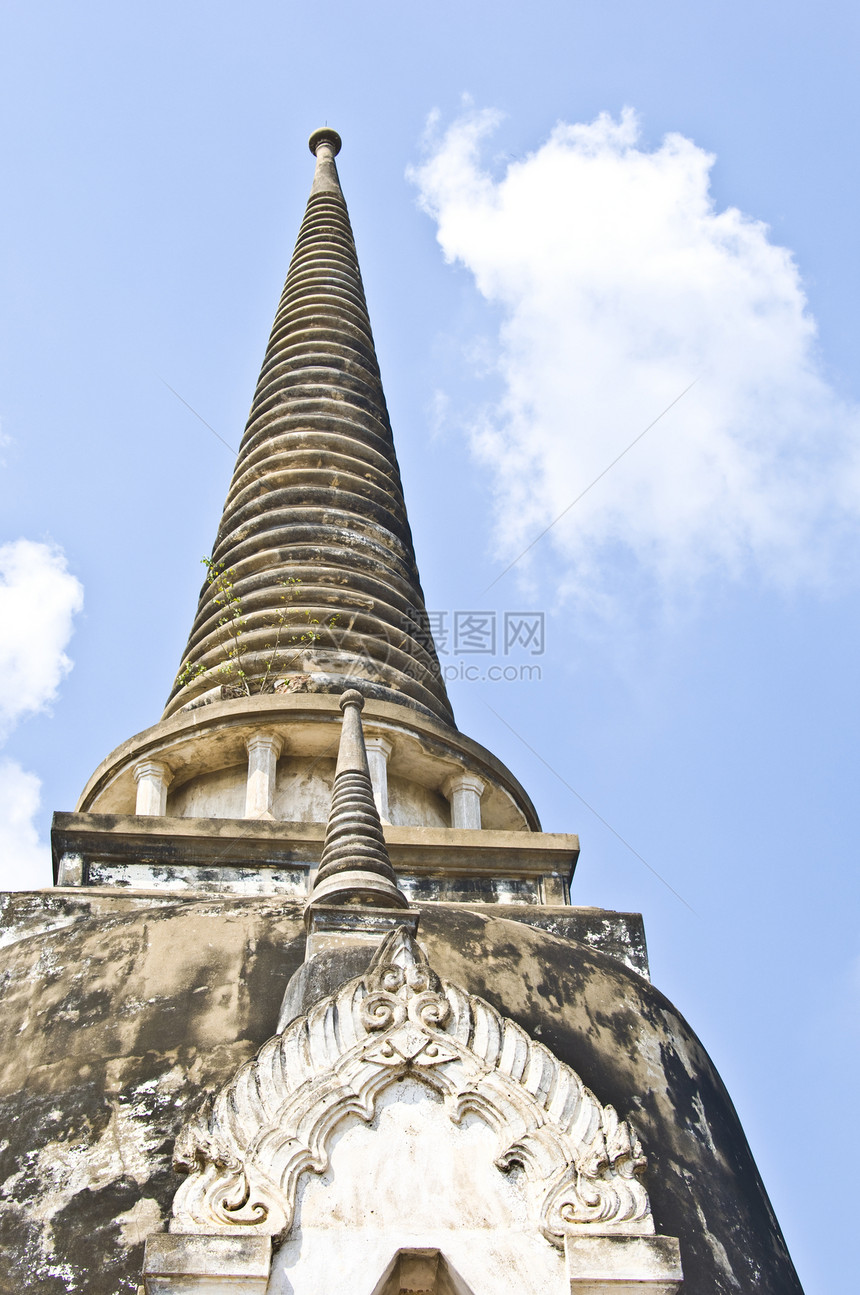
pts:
pixel 313 584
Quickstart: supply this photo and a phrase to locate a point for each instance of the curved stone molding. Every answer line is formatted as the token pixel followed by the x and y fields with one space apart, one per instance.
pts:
pixel 213 738
pixel 274 1120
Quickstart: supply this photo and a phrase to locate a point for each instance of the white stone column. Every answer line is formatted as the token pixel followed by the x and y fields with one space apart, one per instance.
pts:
pixel 71 870
pixel 464 791
pixel 263 752
pixel 378 754
pixel 153 777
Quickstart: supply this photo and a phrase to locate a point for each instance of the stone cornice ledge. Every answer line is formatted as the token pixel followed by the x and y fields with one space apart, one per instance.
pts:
pixel 417 850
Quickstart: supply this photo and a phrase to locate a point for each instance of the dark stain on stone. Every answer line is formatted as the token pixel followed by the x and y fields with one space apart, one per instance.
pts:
pixel 23 1263
pixel 119 1266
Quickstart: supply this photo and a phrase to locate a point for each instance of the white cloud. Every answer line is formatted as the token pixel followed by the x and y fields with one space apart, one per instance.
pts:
pixel 24 859
pixel 38 601
pixel 618 284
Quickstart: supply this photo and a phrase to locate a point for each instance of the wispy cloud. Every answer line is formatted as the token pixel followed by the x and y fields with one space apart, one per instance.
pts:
pixel 24 859
pixel 619 283
pixel 39 599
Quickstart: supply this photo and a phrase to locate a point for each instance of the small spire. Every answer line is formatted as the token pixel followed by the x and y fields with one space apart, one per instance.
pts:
pixel 355 867
pixel 325 144
pixel 325 135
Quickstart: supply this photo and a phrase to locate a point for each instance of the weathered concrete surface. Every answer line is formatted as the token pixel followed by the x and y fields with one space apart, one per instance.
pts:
pixel 117 1021
pixel 111 1027
pixel 633 1049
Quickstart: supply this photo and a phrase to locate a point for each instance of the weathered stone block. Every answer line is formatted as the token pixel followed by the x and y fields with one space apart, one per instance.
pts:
pixel 623 1265
pixel 206 1265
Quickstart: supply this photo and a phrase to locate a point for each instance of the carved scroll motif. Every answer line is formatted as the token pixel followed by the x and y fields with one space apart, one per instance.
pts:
pixel 245 1152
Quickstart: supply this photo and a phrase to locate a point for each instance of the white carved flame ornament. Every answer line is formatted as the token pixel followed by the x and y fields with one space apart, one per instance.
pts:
pixel 274 1120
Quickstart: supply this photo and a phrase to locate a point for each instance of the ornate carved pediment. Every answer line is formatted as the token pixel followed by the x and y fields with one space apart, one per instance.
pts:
pixel 274 1120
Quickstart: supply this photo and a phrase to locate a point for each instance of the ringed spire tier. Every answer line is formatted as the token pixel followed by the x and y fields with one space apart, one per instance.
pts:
pixel 312 585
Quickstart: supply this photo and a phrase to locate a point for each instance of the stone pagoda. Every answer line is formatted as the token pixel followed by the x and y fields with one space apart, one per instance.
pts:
pixel 310 1006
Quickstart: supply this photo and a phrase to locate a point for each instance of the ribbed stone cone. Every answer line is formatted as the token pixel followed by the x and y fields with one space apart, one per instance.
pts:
pixel 314 541
pixel 355 867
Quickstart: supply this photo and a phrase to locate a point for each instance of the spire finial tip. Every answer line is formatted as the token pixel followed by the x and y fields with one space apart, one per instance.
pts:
pixel 325 135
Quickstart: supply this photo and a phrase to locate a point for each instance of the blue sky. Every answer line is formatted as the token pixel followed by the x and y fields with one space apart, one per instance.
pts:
pixel 699 685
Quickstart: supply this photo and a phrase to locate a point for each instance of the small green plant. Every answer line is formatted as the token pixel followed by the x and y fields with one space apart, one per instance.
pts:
pixel 277 656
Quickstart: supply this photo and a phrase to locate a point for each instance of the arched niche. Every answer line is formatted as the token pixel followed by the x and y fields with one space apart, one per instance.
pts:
pixel 401 1112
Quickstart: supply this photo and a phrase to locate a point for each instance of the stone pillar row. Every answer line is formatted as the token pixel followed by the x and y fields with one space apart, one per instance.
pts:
pixel 153 778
